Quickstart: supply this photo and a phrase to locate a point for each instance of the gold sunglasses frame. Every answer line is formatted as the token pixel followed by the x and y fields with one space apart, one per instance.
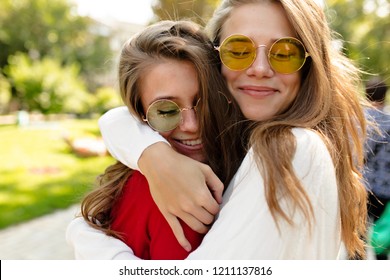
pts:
pixel 268 54
pixel 181 110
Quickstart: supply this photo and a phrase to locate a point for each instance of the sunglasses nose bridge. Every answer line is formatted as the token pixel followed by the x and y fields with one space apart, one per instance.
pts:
pixel 188 121
pixel 263 58
pixel 260 46
pixel 189 109
pixel 182 110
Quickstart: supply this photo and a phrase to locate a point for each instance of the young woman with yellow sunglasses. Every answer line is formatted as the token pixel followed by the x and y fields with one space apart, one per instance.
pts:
pixel 298 193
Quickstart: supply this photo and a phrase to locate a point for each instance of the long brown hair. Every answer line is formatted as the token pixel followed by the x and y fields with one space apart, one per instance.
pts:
pixel 328 102
pixel 218 114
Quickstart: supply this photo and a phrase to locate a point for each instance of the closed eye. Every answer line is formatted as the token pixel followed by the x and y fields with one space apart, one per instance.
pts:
pixel 168 113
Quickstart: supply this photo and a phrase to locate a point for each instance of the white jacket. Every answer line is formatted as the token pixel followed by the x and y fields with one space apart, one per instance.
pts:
pixel 244 228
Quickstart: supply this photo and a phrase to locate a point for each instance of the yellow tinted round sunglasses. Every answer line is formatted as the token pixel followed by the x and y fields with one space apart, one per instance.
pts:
pixel 165 115
pixel 286 56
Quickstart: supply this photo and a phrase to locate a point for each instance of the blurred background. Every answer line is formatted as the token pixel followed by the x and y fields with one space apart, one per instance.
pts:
pixel 58 75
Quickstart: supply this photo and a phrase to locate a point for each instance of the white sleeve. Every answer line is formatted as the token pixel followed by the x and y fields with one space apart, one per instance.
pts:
pixel 126 137
pixel 245 228
pixel 92 244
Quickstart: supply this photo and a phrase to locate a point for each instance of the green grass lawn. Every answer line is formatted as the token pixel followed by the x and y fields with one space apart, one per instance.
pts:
pixel 38 171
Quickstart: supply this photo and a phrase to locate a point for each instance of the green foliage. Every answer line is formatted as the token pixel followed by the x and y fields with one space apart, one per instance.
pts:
pixel 199 11
pixel 46 28
pixel 364 27
pixel 39 173
pixel 105 99
pixel 5 93
pixel 47 86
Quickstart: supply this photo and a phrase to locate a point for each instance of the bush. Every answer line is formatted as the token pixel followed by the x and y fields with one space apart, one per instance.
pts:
pixel 106 98
pixel 5 94
pixel 47 86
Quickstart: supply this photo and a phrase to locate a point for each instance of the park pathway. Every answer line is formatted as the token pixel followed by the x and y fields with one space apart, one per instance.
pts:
pixel 39 239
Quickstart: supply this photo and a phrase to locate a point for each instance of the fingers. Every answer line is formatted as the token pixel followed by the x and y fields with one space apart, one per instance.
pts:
pixel 198 218
pixel 209 208
pixel 178 232
pixel 214 184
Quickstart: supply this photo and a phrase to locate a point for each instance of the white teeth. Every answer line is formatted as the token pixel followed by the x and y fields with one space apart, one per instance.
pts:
pixel 191 142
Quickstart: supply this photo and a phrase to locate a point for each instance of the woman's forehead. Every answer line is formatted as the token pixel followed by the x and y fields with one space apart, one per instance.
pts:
pixel 258 20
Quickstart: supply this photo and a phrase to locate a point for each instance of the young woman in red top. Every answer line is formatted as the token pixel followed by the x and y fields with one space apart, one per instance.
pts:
pixel 169 77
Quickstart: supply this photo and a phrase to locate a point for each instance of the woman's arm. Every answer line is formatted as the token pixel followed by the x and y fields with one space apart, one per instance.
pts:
pixel 125 137
pixel 181 187
pixel 245 228
pixel 92 244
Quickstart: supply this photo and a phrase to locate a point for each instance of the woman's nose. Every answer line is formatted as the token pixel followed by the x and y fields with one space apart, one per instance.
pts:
pixel 189 121
pixel 260 66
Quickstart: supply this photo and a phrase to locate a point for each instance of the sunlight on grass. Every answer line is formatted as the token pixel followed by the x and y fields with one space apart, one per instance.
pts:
pixel 39 173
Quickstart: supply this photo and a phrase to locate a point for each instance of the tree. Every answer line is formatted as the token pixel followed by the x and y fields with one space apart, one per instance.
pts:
pixel 51 28
pixel 364 27
pixel 197 10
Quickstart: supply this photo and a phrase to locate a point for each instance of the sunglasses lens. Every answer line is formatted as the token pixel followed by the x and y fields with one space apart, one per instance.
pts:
pixel 237 52
pixel 163 115
pixel 287 55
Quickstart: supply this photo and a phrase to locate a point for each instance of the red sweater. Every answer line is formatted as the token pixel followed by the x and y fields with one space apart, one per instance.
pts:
pixel 144 228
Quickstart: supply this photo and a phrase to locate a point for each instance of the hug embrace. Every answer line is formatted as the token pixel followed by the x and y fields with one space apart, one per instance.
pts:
pixel 247 143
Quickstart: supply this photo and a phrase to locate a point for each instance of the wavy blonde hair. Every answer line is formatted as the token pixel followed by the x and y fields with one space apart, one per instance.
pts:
pixel 328 102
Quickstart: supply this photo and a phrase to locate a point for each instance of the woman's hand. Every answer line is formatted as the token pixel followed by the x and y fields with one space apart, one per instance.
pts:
pixel 182 188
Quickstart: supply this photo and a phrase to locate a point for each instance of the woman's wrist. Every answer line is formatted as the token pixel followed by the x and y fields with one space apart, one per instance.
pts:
pixel 153 154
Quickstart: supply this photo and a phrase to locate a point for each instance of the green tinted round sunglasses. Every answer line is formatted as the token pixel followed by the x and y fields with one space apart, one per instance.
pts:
pixel 165 115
